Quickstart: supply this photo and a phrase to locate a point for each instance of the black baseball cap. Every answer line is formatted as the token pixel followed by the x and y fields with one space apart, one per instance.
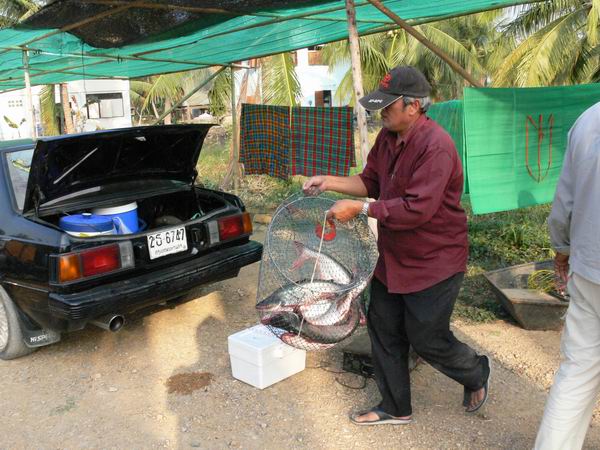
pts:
pixel 400 81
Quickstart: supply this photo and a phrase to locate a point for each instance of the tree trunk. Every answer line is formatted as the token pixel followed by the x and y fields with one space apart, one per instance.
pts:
pixel 168 105
pixel 68 116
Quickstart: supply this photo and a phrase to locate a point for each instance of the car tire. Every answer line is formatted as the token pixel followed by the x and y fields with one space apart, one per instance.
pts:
pixel 11 337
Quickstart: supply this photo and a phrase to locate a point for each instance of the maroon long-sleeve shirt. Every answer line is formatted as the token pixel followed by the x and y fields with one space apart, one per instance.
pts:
pixel 418 181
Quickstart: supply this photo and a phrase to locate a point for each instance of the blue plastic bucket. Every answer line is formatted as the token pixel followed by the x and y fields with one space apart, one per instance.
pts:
pixel 124 217
pixel 86 225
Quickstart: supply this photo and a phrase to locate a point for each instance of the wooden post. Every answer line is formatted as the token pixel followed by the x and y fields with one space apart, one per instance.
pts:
pixel 235 136
pixel 28 95
pixel 427 43
pixel 357 81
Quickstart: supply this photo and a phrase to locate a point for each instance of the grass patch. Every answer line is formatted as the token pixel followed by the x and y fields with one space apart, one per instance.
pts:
pixel 496 240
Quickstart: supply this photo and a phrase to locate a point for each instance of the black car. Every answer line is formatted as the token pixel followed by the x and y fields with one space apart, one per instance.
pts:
pixel 52 281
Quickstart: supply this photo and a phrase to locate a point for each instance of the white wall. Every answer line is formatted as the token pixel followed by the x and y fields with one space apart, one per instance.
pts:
pixel 318 78
pixel 13 106
pixel 79 89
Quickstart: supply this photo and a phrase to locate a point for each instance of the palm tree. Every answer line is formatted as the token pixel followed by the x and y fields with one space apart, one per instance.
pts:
pixel 158 93
pixel 468 40
pixel 551 43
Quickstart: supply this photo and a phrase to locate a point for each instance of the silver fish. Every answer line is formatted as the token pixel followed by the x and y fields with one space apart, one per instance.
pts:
pixel 327 267
pixel 336 311
pixel 327 334
pixel 295 295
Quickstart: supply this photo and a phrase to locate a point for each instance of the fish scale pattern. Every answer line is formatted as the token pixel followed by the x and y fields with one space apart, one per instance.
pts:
pixel 313 273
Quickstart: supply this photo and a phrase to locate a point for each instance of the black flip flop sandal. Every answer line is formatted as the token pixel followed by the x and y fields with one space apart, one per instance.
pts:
pixel 486 387
pixel 383 418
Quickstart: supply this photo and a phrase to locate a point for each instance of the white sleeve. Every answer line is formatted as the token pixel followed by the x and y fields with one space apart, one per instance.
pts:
pixel 559 221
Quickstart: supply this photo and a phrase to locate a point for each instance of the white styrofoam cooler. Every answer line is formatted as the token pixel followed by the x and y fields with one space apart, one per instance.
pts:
pixel 260 359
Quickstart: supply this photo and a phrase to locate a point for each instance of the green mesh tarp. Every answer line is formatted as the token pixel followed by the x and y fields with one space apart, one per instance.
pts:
pixel 215 38
pixel 516 140
pixel 450 116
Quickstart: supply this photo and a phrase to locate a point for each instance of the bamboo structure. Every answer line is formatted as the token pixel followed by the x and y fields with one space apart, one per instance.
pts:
pixel 28 95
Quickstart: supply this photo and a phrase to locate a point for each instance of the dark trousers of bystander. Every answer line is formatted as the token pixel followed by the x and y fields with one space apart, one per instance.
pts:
pixel 420 319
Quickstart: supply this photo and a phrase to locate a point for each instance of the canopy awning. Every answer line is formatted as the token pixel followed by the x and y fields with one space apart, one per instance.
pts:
pixel 190 37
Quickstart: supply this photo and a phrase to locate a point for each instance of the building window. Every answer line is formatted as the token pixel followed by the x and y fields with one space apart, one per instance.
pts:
pixel 15 103
pixel 104 106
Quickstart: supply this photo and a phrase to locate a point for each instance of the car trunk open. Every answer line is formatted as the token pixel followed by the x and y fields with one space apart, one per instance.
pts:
pixel 155 167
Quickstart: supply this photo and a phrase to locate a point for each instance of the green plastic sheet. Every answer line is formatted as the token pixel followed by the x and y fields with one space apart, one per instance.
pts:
pixel 515 141
pixel 57 56
pixel 450 116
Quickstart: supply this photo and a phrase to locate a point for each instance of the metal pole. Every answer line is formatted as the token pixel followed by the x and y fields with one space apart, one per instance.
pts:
pixel 357 80
pixel 235 136
pixel 29 97
pixel 188 95
pixel 427 43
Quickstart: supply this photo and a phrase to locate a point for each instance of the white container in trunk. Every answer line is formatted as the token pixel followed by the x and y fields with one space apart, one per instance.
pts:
pixel 260 359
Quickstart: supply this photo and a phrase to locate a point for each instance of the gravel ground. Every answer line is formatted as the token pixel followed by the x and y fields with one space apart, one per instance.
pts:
pixel 164 381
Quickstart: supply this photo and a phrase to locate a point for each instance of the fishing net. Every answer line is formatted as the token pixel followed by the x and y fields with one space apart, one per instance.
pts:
pixel 313 272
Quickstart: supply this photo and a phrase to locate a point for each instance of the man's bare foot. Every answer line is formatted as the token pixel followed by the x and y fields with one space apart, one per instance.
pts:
pixel 371 416
pixel 476 398
pixel 375 416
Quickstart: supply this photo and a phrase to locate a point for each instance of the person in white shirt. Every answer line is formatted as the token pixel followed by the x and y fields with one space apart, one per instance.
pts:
pixel 574 225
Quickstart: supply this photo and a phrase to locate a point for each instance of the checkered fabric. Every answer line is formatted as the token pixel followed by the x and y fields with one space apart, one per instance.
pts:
pixel 322 141
pixel 264 140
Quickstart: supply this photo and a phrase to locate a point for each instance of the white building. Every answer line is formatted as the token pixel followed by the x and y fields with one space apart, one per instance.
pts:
pixel 318 84
pixel 96 104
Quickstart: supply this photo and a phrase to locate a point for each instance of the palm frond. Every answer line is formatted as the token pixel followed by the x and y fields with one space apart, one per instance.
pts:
pixel 280 82
pixel 220 93
pixel 592 22
pixel 49 111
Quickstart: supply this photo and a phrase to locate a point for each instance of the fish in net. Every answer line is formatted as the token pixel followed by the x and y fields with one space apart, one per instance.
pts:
pixel 313 272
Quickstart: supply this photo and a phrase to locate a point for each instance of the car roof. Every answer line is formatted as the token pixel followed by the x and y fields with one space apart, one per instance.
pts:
pixel 16 144
pixel 25 143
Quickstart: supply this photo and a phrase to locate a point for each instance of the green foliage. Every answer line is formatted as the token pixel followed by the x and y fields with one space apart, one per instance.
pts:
pixel 279 80
pixel 469 40
pixel 499 240
pixel 551 43
pixel 50 111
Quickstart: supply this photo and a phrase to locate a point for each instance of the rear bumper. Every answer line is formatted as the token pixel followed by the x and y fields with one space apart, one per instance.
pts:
pixel 73 311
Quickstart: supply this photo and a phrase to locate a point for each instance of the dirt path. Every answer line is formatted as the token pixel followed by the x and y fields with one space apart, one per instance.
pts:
pixel 102 390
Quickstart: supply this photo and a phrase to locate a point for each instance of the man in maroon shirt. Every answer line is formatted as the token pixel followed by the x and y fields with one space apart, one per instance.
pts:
pixel 414 172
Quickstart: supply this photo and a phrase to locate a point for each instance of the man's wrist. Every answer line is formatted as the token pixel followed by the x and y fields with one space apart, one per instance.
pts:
pixel 365 209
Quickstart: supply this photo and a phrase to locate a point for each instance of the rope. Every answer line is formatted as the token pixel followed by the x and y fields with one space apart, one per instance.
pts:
pixel 316 262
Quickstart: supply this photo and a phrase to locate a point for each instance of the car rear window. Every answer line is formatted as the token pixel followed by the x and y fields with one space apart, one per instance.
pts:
pixel 18 171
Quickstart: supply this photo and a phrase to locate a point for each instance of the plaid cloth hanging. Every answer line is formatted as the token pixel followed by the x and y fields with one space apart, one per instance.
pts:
pixel 322 141
pixel 264 140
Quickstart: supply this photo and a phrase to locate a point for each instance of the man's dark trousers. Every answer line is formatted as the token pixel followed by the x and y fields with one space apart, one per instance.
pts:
pixel 420 319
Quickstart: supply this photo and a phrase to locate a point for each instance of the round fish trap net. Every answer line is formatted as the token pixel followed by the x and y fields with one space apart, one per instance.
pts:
pixel 313 272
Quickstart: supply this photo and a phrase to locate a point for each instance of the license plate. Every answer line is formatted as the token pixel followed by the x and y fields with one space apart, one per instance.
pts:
pixel 167 242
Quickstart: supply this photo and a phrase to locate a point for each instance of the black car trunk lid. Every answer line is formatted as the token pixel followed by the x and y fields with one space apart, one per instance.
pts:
pixel 62 166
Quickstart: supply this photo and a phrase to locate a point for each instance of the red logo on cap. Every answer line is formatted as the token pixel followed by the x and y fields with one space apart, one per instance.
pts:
pixel 385 83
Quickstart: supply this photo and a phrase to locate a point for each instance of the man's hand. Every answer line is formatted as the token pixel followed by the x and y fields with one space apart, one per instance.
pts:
pixel 315 185
pixel 344 210
pixel 561 269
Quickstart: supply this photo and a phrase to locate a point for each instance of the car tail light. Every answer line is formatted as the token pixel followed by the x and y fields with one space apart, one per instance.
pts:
pixel 229 227
pixel 96 261
pixel 100 260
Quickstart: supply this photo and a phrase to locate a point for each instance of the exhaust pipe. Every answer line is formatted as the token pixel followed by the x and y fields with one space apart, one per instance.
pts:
pixel 109 322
